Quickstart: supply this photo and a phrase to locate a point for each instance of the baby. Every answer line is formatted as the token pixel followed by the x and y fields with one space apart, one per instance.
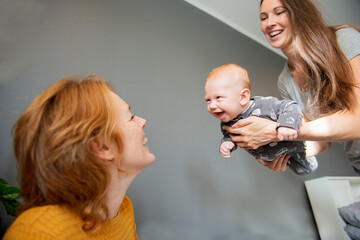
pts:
pixel 227 94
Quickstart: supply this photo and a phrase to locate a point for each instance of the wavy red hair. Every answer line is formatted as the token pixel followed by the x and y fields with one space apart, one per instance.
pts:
pixel 52 145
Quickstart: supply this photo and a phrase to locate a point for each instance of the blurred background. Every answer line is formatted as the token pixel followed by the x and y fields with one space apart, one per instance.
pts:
pixel 157 54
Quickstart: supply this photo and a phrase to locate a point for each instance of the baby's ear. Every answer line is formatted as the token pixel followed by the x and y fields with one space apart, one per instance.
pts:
pixel 244 96
pixel 100 149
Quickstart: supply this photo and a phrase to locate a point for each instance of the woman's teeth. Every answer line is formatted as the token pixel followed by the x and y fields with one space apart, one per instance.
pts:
pixel 272 34
pixel 145 140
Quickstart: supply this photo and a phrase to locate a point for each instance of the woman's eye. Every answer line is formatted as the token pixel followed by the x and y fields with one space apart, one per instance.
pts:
pixel 132 117
pixel 263 17
pixel 280 12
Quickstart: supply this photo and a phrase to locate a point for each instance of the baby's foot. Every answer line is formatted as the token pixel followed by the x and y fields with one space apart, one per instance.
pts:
pixel 313 163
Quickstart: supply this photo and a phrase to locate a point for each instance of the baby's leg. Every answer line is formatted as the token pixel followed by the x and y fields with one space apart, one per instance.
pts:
pixel 299 167
pixel 299 163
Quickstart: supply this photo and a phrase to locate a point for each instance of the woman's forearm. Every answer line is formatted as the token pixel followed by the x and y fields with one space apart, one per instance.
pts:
pixel 340 126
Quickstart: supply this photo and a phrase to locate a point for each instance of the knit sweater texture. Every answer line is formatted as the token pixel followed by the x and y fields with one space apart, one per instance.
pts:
pixel 52 222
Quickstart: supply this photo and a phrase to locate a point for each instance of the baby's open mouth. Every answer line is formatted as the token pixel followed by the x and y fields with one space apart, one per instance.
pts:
pixel 219 114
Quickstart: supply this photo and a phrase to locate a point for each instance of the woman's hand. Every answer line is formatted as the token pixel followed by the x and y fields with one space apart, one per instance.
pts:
pixel 279 164
pixel 253 132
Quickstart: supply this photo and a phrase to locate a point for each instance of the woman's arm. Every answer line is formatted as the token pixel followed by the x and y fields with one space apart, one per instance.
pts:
pixel 253 132
pixel 340 126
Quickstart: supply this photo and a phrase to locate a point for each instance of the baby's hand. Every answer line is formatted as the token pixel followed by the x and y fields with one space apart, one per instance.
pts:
pixel 225 148
pixel 286 133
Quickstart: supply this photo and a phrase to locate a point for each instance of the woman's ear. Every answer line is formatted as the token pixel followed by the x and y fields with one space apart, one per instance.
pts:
pixel 100 149
pixel 244 96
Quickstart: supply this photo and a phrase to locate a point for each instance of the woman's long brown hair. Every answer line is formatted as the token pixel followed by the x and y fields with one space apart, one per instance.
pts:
pixel 330 79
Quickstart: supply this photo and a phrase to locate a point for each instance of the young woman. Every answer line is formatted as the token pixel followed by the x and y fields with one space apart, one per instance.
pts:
pixel 78 148
pixel 322 73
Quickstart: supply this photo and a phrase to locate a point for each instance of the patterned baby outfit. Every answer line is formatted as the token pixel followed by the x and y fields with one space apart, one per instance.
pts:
pixel 286 113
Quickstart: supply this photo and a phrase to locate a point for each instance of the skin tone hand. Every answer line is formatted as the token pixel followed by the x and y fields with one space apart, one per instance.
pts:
pixel 279 164
pixel 225 148
pixel 253 132
pixel 286 134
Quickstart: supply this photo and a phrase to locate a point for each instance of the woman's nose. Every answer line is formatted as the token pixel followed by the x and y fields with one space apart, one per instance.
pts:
pixel 270 21
pixel 141 121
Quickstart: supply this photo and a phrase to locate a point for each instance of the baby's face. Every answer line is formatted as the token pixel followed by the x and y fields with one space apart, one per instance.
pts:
pixel 223 99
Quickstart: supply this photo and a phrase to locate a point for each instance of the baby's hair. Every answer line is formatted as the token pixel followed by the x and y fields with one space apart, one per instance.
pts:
pixel 232 68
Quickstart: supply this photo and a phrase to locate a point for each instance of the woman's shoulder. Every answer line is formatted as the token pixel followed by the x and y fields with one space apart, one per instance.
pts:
pixel 50 221
pixel 349 41
pixel 347 31
pixel 41 214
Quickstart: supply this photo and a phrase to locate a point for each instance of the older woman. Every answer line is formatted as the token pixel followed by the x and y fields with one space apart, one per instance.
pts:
pixel 78 148
pixel 322 73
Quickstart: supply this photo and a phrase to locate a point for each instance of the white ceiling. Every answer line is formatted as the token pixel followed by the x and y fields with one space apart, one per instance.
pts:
pixel 243 15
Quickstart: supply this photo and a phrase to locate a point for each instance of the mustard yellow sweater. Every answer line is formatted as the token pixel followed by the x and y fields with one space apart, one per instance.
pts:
pixel 56 222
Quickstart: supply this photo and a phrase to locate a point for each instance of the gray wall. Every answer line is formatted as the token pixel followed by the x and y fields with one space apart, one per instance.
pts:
pixel 157 54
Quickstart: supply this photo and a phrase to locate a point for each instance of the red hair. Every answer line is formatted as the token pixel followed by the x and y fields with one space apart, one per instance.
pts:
pixel 52 145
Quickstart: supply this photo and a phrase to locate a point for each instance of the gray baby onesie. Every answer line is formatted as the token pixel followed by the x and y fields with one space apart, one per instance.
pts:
pixel 286 113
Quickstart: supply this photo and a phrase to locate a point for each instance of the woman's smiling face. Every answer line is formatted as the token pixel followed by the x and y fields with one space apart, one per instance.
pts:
pixel 275 23
pixel 135 155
